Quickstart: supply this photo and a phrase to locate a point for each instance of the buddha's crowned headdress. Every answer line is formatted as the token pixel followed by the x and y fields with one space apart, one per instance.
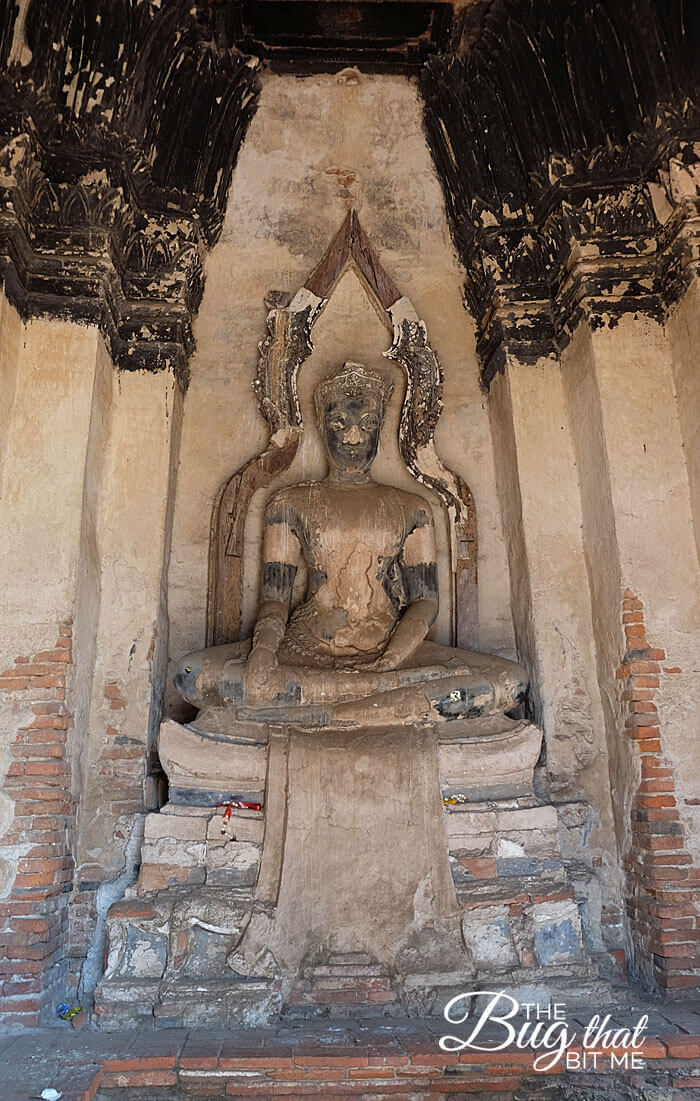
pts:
pixel 353 381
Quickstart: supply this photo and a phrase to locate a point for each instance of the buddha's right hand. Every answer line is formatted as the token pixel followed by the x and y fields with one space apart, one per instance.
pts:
pixel 262 679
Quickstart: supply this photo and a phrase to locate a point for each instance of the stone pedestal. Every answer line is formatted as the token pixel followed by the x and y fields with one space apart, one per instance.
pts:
pixel 364 866
pixel 385 871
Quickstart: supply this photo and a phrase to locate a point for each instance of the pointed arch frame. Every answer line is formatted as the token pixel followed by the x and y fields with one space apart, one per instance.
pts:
pixel 286 347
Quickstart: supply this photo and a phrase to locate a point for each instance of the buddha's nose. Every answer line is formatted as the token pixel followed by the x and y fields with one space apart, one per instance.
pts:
pixel 353 436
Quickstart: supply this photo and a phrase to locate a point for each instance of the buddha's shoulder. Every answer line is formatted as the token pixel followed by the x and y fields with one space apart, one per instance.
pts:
pixel 414 506
pixel 290 499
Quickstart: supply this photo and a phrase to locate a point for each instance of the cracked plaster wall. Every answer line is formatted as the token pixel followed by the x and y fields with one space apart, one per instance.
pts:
pixel 683 329
pixel 538 489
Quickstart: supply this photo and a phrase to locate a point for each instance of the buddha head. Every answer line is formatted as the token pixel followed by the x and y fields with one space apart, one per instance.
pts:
pixel 350 409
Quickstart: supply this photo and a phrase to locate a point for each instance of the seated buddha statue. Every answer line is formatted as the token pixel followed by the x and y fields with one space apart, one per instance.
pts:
pixel 355 650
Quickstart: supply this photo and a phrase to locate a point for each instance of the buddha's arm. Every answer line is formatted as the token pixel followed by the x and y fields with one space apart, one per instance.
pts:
pixel 419 573
pixel 276 594
pixel 281 552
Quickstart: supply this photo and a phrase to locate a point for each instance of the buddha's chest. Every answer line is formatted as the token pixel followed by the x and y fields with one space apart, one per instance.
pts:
pixel 353 530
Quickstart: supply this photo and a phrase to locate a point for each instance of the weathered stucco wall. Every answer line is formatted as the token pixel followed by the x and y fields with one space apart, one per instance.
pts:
pixel 129 541
pixel 654 531
pixel 316 147
pixel 683 329
pixel 50 369
pixel 539 493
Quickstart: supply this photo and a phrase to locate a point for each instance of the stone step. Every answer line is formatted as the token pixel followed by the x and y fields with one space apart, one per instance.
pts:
pixel 346 982
pixel 341 1011
pixel 355 987
pixel 350 959
pixel 349 970
pixel 332 987
pixel 487 869
pixel 521 890
pixel 342 997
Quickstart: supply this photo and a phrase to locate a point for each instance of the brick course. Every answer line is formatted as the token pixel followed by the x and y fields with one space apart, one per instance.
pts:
pixel 40 967
pixel 662 908
pixel 34 918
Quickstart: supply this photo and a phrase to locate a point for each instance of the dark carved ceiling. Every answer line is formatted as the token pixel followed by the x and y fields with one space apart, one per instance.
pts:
pixel 322 35
pixel 121 121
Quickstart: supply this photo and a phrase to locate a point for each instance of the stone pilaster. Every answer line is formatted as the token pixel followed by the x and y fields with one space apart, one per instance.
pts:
pixel 125 678
pixel 683 330
pixel 538 488
pixel 51 370
pixel 645 586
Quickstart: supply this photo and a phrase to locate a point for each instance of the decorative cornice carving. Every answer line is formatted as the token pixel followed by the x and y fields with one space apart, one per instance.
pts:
pixel 119 131
pixel 632 250
pixel 554 177
pixel 81 251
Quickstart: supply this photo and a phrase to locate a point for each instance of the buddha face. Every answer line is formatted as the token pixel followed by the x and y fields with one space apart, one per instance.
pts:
pixel 351 424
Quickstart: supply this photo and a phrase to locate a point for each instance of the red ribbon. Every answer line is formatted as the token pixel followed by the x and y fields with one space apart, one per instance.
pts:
pixel 239 805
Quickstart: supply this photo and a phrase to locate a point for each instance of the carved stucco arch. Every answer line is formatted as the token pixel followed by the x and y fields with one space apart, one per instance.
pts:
pixel 282 353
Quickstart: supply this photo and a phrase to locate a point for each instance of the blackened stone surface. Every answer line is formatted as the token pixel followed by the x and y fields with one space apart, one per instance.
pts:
pixel 380 35
pixel 193 797
pixel 545 133
pixel 548 78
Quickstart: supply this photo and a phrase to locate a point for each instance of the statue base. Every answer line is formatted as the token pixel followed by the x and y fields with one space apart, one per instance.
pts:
pixel 217 757
pixel 385 871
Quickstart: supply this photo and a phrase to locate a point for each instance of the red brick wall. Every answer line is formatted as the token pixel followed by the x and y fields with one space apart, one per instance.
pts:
pixel 662 903
pixel 48 921
pixel 33 919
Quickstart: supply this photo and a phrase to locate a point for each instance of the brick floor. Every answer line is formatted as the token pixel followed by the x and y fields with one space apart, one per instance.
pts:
pixel 396 1059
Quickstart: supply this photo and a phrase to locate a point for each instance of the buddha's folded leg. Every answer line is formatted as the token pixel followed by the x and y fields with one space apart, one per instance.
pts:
pixel 216 677
pixel 436 682
pixel 437 700
pixel 508 679
pixel 439 673
pixel 442 698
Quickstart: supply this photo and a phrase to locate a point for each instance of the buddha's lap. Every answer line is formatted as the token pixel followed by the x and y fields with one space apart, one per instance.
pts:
pixel 224 670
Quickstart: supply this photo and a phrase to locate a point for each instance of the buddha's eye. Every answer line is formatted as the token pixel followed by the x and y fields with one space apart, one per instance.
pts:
pixel 369 422
pixel 336 423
